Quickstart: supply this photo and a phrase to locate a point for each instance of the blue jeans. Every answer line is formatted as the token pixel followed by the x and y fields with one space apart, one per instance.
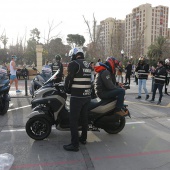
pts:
pixel 119 93
pixel 142 82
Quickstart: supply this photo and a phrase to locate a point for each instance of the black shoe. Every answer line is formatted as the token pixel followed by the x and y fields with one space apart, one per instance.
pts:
pixel 159 102
pixel 70 147
pixel 152 100
pixel 147 97
pixel 139 97
pixel 82 141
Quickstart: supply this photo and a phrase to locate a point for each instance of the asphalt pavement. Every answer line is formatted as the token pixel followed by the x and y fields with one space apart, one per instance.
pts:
pixel 142 145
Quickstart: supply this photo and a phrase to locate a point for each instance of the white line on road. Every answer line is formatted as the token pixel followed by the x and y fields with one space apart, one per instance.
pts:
pixel 21 130
pixel 19 108
pixel 130 123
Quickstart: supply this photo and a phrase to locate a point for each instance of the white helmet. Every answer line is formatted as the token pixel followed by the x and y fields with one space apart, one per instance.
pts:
pixel 73 52
pixel 167 61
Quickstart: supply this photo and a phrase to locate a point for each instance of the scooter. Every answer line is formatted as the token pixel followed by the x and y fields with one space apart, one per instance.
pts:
pixel 4 92
pixel 40 79
pixel 50 108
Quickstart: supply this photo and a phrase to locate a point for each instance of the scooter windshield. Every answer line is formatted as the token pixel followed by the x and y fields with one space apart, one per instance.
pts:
pixel 52 78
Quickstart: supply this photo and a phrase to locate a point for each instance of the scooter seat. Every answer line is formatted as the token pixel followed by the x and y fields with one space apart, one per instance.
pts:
pixel 99 102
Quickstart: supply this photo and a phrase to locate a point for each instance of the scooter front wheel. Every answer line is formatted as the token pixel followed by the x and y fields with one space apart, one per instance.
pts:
pixel 38 128
pixel 116 127
pixel 4 107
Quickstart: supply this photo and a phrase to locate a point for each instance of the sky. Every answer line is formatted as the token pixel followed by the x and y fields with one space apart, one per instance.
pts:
pixel 18 17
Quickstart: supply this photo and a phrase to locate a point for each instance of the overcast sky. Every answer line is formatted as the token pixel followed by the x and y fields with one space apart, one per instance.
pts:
pixel 20 16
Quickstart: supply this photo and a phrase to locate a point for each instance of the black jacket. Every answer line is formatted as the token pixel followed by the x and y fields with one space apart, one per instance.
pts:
pixel 143 71
pixel 55 67
pixel 128 69
pixel 160 75
pixel 78 80
pixel 104 81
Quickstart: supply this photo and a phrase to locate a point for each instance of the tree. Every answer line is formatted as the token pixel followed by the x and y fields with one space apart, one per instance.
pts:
pixel 4 51
pixel 30 52
pixel 95 47
pixel 117 39
pixel 136 51
pixel 75 40
pixel 56 46
pixel 159 49
pixel 47 40
pixel 35 35
pixel 18 51
pixel 4 40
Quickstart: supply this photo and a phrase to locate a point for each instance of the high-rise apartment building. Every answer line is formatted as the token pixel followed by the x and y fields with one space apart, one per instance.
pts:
pixel 143 26
pixel 111 36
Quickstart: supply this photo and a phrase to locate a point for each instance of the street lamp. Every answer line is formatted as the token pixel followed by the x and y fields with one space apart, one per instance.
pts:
pixel 122 53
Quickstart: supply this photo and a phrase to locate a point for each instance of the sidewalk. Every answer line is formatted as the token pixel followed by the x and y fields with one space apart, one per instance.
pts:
pixel 21 86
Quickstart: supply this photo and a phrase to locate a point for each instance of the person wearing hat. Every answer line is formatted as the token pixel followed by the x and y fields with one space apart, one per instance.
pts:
pixel 143 72
pixel 13 70
pixel 78 84
pixel 55 66
pixel 160 77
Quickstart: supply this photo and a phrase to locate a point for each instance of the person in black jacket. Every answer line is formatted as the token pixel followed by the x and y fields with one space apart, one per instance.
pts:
pixel 160 77
pixel 55 66
pixel 167 66
pixel 78 83
pixel 143 71
pixel 105 84
pixel 128 72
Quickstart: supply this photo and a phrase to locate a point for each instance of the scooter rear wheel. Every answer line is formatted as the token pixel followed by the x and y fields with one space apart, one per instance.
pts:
pixel 38 128
pixel 116 128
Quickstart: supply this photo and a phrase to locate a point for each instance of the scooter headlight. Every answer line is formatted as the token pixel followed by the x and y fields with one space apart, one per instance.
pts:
pixel 36 79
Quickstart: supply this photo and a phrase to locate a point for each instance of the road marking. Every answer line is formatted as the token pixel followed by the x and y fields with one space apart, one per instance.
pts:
pixel 59 164
pixel 18 130
pixel 148 104
pixel 131 123
pixel 14 130
pixel 90 132
pixel 19 108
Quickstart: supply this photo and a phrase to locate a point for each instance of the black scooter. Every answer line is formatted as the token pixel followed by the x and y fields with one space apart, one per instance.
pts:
pixel 40 79
pixel 51 109
pixel 4 92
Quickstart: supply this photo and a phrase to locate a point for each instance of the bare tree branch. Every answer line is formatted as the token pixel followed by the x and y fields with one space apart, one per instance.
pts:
pixel 89 30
